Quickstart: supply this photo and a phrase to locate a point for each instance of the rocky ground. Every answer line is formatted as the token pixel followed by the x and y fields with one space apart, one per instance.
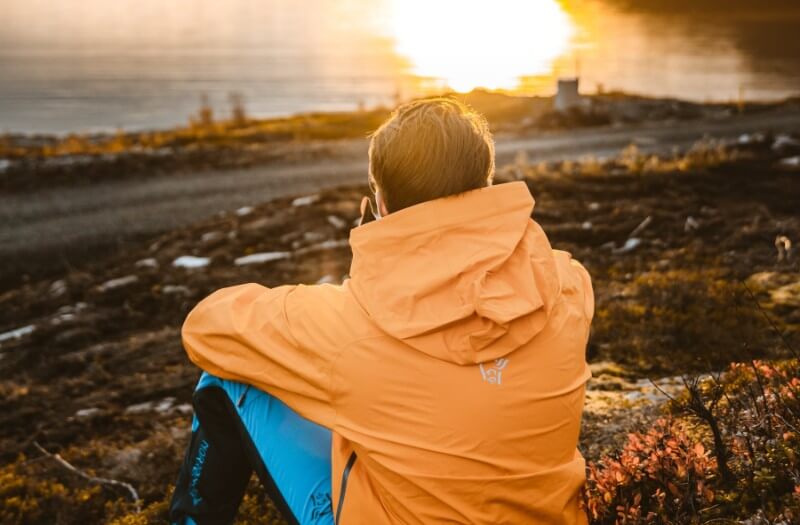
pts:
pixel 689 257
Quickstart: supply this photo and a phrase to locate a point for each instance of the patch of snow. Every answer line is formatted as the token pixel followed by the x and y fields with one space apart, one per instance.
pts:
pixel 147 263
pixel 87 412
pixel 184 408
pixel 791 162
pixel 17 333
pixel 118 283
pixel 164 405
pixel 305 201
pixel 172 289
pixel 594 206
pixel 630 245
pixel 72 309
pixel 63 318
pixel 326 279
pixel 586 225
pixel 784 141
pixel 751 138
pixel 258 258
pixel 140 408
pixel 212 237
pixel 244 210
pixel 337 222
pixel 4 165
pixel 190 261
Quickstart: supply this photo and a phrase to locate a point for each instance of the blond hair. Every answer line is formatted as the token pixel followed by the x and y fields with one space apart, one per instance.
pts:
pixel 429 149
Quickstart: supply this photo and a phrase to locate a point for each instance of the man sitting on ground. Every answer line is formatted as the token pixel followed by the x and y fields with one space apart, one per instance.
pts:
pixel 443 382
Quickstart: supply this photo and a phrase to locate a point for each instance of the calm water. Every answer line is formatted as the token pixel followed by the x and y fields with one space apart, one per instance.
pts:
pixel 70 65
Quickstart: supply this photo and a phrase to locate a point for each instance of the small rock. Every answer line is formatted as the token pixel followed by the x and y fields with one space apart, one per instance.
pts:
pixel 125 463
pixel 791 162
pixel 173 289
pixel 691 224
pixel 586 225
pixel 244 210
pixel 784 246
pixel 58 288
pixel 63 318
pixel 291 236
pixel 337 222
pixel 594 206
pixel 258 224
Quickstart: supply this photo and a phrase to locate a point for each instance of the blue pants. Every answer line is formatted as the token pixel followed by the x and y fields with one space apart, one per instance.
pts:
pixel 238 429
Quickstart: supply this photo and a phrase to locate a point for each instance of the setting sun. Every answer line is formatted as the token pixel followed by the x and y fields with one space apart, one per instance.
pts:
pixel 469 44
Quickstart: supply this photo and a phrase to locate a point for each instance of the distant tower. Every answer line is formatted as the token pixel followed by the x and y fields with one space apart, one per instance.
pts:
pixel 567 96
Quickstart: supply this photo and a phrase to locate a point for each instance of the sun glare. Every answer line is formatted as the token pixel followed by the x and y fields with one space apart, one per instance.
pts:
pixel 473 43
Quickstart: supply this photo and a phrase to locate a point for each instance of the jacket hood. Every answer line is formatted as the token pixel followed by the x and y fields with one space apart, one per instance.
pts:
pixel 465 279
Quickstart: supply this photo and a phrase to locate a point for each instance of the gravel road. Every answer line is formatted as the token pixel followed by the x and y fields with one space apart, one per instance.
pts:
pixel 45 230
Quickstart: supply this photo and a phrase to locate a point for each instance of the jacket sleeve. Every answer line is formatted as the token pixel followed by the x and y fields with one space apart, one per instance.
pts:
pixel 588 291
pixel 245 333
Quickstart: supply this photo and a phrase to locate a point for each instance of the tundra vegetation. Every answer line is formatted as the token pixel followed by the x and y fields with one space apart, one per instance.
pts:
pixel 692 415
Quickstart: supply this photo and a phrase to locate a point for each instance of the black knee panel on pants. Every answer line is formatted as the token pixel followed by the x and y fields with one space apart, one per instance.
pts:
pixel 218 464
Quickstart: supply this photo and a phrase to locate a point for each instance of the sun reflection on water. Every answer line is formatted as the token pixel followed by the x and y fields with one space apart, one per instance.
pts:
pixel 467 44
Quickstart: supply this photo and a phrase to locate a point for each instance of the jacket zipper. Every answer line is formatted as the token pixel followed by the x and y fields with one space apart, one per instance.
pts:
pixel 343 487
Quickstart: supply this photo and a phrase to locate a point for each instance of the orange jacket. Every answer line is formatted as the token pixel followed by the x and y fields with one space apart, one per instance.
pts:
pixel 452 362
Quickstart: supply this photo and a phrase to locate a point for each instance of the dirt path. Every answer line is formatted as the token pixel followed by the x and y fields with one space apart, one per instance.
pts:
pixel 48 229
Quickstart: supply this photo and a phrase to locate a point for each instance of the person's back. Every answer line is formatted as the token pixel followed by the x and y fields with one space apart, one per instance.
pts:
pixel 450 366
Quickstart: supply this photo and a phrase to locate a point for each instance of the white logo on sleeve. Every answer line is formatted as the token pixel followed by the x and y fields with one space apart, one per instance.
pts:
pixel 493 374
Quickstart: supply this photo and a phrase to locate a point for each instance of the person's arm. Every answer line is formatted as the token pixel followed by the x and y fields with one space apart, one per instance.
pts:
pixel 588 291
pixel 245 333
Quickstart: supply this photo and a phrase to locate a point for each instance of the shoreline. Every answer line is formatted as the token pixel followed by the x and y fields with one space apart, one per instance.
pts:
pixel 51 227
pixel 26 160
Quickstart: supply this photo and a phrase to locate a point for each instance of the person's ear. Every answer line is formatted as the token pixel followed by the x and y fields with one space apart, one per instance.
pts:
pixel 382 209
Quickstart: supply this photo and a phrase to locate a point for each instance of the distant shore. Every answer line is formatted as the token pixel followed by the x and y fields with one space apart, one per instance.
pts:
pixel 27 161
